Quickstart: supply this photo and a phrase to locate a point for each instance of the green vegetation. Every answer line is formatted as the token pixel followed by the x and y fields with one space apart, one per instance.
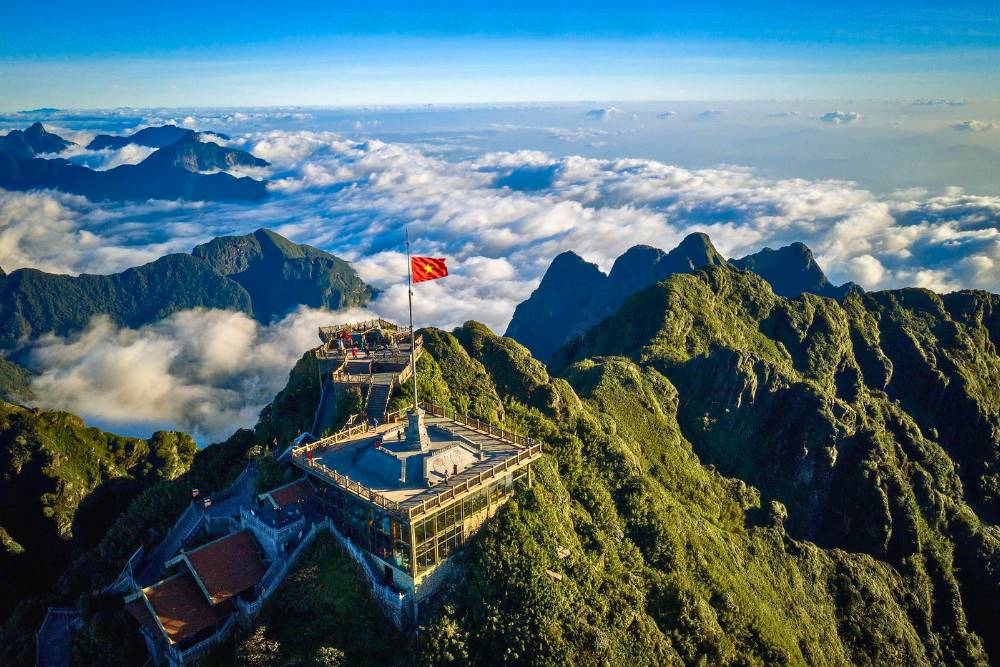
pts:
pixel 15 382
pixel 62 485
pixel 323 609
pixel 263 274
pixel 33 302
pixel 292 410
pixel 738 478
pixel 279 274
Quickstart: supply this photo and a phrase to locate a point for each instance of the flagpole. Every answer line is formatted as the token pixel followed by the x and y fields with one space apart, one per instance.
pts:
pixel 413 338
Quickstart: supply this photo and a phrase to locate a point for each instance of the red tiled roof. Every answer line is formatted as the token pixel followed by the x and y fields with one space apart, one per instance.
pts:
pixel 181 607
pixel 228 566
pixel 295 492
pixel 140 612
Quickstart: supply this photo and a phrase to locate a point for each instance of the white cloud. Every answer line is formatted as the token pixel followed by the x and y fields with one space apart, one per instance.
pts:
pixel 354 198
pixel 938 102
pixel 604 113
pixel 867 270
pixel 664 115
pixel 841 117
pixel 976 126
pixel 204 371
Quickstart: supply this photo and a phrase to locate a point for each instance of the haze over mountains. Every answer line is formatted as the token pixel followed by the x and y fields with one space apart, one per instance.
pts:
pixel 575 294
pixel 174 171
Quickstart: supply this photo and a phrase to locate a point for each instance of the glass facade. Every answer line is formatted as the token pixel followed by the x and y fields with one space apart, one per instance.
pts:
pixel 437 536
pixel 370 527
pixel 442 534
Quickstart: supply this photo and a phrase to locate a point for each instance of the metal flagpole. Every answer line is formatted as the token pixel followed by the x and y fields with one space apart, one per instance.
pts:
pixel 413 338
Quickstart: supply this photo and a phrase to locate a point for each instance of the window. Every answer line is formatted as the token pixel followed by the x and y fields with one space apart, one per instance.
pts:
pixel 425 531
pixel 426 557
pixel 449 542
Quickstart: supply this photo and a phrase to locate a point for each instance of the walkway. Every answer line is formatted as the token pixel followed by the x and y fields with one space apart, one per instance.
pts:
pixel 225 503
pixel 52 643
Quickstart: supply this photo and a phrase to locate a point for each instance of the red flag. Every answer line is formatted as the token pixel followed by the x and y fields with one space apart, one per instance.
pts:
pixel 428 268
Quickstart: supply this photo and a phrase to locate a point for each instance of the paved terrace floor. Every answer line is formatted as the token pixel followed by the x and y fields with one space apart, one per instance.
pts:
pixel 343 458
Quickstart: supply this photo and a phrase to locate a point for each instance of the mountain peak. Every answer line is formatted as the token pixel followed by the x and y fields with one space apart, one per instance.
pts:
pixel 694 251
pixel 792 270
pixel 280 274
pixel 192 154
pixel 26 144
pixel 539 322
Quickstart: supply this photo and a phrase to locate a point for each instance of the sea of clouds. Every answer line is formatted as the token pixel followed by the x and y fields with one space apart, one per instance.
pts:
pixel 499 216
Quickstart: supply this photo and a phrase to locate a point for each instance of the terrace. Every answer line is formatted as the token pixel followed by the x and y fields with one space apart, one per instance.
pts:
pixel 375 464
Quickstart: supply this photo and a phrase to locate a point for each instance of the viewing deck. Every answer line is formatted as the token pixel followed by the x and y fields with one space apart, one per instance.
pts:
pixel 372 463
pixel 373 356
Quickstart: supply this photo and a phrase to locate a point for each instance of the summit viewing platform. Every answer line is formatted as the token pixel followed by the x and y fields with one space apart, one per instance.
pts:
pixel 372 357
pixel 411 490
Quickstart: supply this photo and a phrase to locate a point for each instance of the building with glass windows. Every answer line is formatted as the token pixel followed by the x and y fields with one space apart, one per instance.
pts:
pixel 410 492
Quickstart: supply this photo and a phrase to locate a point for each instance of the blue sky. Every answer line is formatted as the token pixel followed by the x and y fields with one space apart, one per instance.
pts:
pixel 335 53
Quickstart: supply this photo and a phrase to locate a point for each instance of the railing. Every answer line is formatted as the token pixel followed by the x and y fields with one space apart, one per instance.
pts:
pixel 391 602
pixel 227 492
pixel 479 425
pixel 126 580
pixel 529 450
pixel 346 483
pixel 343 434
pixel 182 656
pixel 223 523
pixel 185 526
pixel 274 532
pixel 525 455
pixel 275 574
pixel 363 326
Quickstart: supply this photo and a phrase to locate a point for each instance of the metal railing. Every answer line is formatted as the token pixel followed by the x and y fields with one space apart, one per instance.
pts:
pixel 275 532
pixel 346 483
pixel 391 602
pixel 529 450
pixel 483 427
pixel 460 489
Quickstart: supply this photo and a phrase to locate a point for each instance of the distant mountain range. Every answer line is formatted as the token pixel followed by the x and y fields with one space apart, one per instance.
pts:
pixel 574 294
pixel 151 137
pixel 174 171
pixel 261 274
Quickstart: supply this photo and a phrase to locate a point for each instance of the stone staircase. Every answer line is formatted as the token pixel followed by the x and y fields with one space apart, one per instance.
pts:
pixel 378 400
pixel 327 409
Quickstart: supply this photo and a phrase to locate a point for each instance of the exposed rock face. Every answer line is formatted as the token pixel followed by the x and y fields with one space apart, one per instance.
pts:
pixel 571 298
pixel 568 284
pixel 575 295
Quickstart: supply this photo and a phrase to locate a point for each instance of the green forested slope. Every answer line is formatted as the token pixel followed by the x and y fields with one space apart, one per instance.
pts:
pixel 740 479
pixel 63 484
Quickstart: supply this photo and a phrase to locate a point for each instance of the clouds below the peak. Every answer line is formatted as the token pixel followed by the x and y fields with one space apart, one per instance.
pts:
pixel 499 216
pixel 204 371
